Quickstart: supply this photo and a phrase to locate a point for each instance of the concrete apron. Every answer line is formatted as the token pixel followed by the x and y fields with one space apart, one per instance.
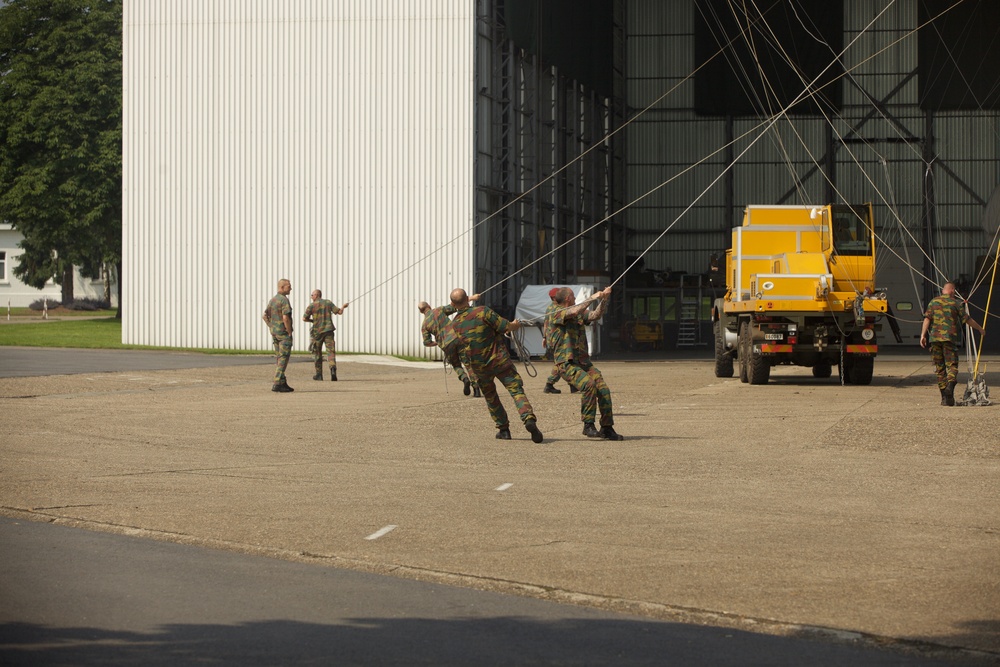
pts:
pixel 797 505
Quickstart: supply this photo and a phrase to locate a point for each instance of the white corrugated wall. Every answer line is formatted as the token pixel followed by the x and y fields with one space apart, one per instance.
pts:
pixel 328 142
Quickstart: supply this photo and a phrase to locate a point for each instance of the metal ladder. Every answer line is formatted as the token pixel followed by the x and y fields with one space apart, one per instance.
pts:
pixel 688 327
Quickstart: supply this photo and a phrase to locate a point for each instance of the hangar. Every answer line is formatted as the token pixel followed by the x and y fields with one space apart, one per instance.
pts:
pixel 387 151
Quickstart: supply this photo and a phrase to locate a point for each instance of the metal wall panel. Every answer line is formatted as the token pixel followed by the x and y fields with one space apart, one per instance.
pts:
pixel 326 142
pixel 932 170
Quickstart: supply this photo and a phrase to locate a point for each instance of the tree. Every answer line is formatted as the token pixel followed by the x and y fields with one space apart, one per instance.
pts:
pixel 60 136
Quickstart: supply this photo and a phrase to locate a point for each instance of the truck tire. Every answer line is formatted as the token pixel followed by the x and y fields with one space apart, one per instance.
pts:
pixel 723 359
pixel 742 349
pixel 862 369
pixel 758 370
pixel 822 370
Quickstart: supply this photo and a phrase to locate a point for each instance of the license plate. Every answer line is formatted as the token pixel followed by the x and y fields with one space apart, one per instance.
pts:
pixel 774 336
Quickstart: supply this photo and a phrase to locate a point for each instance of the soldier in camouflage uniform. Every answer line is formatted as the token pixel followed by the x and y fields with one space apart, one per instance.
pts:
pixel 569 344
pixel 480 332
pixel 550 382
pixel 278 317
pixel 320 312
pixel 435 319
pixel 941 322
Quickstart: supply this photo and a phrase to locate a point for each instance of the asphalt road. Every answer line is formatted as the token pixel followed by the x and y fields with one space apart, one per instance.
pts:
pixel 813 567
pixel 73 596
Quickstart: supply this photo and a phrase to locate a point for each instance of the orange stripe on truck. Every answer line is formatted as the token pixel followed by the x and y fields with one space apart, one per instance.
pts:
pixel 862 349
pixel 774 348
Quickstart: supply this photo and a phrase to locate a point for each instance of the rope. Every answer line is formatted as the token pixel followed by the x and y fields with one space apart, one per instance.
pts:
pixel 809 91
pixel 517 337
pixel 989 296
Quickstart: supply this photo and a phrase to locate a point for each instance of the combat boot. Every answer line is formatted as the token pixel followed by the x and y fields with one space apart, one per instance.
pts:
pixel 503 434
pixel 550 389
pixel 333 375
pixel 532 427
pixel 282 387
pixel 476 393
pixel 944 395
pixel 590 431
pixel 949 393
pixel 608 433
pixel 467 389
pixel 318 376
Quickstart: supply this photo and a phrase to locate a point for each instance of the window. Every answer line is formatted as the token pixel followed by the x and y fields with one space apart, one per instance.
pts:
pixel 3 266
pixel 851 234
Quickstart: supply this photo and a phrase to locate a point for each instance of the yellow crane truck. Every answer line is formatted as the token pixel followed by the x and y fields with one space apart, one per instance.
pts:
pixel 800 289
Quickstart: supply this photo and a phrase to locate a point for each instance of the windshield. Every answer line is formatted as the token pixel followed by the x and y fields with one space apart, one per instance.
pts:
pixel 851 234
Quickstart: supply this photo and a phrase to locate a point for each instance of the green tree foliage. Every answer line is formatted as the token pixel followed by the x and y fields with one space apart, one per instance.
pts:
pixel 60 135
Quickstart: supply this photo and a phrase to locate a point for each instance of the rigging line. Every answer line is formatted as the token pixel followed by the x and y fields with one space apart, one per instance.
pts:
pixel 958 70
pixel 906 250
pixel 566 166
pixel 768 122
pixel 862 62
pixel 517 338
pixel 771 94
pixel 798 72
pixel 892 207
pixel 848 72
pixel 625 207
pixel 981 277
pixel 989 296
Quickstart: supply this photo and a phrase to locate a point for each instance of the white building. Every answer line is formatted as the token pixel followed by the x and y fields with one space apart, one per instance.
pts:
pixel 329 143
pixel 16 294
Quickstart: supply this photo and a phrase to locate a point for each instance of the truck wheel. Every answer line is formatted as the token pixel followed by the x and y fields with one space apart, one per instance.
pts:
pixel 862 370
pixel 743 350
pixel 723 360
pixel 758 370
pixel 822 370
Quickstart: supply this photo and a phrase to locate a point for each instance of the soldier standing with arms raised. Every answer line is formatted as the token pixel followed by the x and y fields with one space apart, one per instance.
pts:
pixel 569 344
pixel 278 317
pixel 320 312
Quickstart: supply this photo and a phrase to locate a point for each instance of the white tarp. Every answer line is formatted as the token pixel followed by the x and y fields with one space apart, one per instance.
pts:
pixel 531 308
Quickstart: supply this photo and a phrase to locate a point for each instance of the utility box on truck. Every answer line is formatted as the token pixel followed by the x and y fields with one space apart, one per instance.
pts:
pixel 800 289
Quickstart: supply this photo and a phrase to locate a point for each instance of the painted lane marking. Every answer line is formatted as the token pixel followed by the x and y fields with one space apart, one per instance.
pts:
pixel 379 533
pixel 503 487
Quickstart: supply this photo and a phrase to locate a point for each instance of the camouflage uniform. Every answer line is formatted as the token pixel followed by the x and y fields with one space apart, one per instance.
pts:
pixel 321 313
pixel 568 339
pixel 480 332
pixel 554 373
pixel 435 320
pixel 945 312
pixel 277 307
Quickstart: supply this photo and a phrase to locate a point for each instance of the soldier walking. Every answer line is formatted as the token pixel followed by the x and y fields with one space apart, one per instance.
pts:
pixel 278 317
pixel 320 312
pixel 480 332
pixel 941 323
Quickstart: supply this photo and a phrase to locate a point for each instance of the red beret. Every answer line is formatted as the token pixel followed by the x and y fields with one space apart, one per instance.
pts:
pixel 553 291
